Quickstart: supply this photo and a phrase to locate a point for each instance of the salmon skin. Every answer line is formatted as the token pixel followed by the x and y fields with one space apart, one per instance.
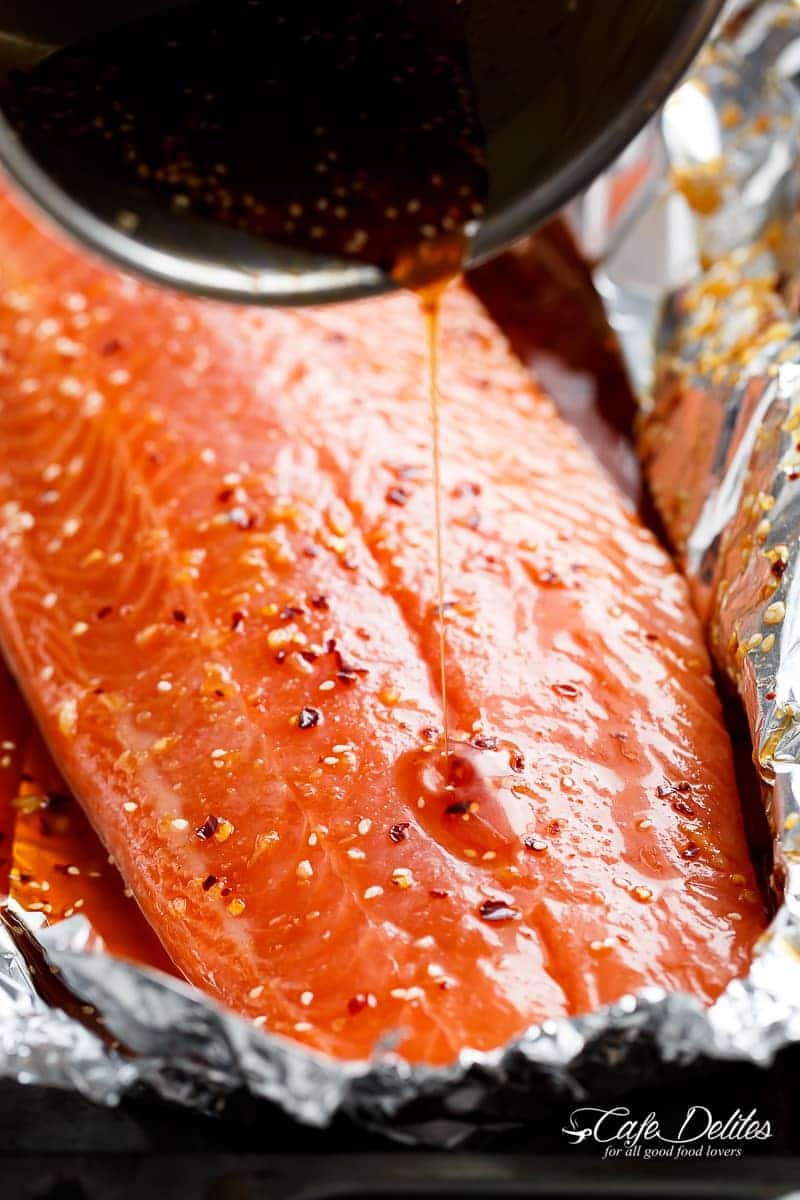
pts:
pixel 217 590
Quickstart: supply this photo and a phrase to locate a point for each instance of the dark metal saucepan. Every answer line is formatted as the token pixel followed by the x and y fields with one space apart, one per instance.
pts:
pixel 558 100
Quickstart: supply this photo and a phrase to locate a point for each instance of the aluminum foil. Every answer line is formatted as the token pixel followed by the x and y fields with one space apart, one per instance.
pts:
pixel 693 230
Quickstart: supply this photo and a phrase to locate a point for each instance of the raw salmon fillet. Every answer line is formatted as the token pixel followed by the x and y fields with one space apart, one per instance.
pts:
pixel 217 590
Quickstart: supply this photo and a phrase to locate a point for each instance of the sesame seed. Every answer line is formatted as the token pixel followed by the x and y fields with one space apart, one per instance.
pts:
pixel 312 839
pixel 303 1026
pixel 373 892
pixel 130 806
pixel 50 600
pixel 304 869
pixel 223 830
pixel 356 854
pixel 775 613
pixel 164 685
pixel 179 904
pixel 68 717
pixel 79 629
pixel 327 685
pixel 180 823
pixel 256 992
pixel 306 998
pixel 127 221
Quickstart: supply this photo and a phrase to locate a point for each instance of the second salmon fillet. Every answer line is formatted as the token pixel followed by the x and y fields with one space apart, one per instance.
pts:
pixel 217 590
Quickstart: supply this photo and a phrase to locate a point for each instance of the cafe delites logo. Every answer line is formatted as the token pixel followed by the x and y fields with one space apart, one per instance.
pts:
pixel 696 1133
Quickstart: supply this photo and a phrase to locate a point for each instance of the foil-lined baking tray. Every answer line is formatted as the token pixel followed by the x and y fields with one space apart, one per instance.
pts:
pixel 693 233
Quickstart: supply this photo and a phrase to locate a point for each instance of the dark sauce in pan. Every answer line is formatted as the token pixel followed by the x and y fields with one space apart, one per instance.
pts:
pixel 345 129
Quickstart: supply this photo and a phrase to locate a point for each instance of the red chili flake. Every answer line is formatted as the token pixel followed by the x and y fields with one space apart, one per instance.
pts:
pixel 104 612
pixel 320 602
pixel 458 809
pixel 497 910
pixel 311 551
pixel 280 656
pixel 793 475
pixel 289 611
pixel 236 619
pixel 770 695
pixel 438 893
pixel 690 850
pixel 398 495
pixel 308 717
pixel 651 637
pixel 208 828
pixel 462 490
pixel 517 761
pixel 346 672
pixel 669 789
pixel 310 656
pixel 225 495
pixel 111 346
pixel 356 1004
pixel 58 801
pixel 567 690
pixel 682 808
pixel 209 882
pixel 554 828
pixel 399 832
pixel 778 568
pixel 481 742
pixel 534 843
pixel 179 615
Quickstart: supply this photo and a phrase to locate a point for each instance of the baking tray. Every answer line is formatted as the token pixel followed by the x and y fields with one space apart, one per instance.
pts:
pixel 54 1147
